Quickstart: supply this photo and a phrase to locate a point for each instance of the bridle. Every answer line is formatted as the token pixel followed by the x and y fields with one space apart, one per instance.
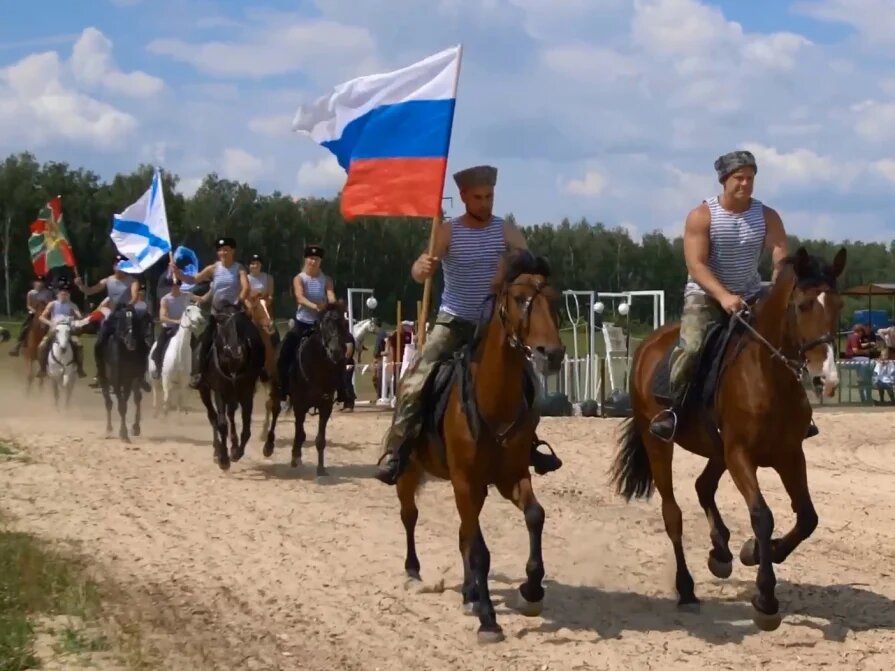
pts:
pixel 514 337
pixel 798 365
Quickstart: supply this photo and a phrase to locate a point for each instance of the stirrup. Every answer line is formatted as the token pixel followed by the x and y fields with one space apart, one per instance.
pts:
pixel 660 414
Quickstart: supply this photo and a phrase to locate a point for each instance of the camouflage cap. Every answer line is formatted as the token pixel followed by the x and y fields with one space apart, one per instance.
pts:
pixel 480 175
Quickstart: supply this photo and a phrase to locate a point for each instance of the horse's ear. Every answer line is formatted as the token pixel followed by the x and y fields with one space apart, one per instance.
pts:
pixel 801 258
pixel 839 262
pixel 541 266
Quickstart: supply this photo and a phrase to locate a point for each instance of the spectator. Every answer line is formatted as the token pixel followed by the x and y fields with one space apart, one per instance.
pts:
pixel 887 335
pixel 859 343
pixel 884 376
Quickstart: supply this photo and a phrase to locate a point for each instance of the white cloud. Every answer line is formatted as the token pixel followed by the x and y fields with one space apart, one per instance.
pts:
pixel 278 44
pixel 885 167
pixel 93 66
pixel 873 19
pixel 779 169
pixel 318 177
pixel 593 184
pixel 38 108
pixel 875 121
pixel 240 165
pixel 590 63
pixel 276 126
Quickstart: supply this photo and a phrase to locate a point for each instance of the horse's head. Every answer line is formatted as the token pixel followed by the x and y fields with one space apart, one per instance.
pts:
pixel 127 327
pixel 229 345
pixel 62 328
pixel 192 318
pixel 816 304
pixel 526 306
pixel 334 331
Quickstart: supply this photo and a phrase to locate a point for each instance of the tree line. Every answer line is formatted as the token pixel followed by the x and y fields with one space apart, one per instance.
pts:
pixel 373 253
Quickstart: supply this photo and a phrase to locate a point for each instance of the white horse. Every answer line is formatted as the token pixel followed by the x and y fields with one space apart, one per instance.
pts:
pixel 176 365
pixel 61 359
pixel 361 330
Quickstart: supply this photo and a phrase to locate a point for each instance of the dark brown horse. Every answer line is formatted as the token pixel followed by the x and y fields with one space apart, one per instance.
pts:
pixel 484 430
pixel 758 418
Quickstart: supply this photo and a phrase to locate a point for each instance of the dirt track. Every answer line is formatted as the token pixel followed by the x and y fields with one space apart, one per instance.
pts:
pixel 265 567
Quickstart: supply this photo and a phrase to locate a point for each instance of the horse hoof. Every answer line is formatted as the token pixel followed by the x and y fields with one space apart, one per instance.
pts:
pixel 322 473
pixel 764 621
pixel 492 634
pixel 749 553
pixel 525 607
pixel 471 608
pixel 413 574
pixel 294 463
pixel 720 569
pixel 689 607
pixel 268 450
pixel 136 431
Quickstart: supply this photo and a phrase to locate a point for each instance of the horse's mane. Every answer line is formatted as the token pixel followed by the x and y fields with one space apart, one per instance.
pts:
pixel 811 271
pixel 518 262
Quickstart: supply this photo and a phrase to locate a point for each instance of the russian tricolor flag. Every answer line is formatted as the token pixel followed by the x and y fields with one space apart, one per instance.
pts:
pixel 391 133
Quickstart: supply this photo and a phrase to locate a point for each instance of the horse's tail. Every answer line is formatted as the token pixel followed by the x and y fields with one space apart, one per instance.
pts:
pixel 631 472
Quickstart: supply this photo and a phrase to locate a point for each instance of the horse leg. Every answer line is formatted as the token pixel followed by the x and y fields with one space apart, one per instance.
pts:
pixel 720 560
pixel 122 392
pixel 660 456
pixel 470 499
pixel 107 397
pixel 220 408
pixel 407 485
pixel 231 423
pixel 523 497
pixel 299 409
pixel 325 410
pixel 273 409
pixel 792 474
pixel 766 609
pixel 246 408
pixel 138 404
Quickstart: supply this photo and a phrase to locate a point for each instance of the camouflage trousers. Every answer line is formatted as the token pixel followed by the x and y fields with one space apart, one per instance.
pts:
pixel 699 313
pixel 448 334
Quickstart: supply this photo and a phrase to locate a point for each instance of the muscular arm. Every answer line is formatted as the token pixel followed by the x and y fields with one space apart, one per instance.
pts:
pixel 203 275
pixel 76 312
pixel 45 315
pixel 330 290
pixel 89 291
pixel 269 293
pixel 135 292
pixel 442 242
pixel 696 251
pixel 775 239
pixel 513 236
pixel 245 290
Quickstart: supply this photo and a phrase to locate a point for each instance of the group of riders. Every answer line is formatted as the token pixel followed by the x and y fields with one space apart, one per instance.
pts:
pixel 723 241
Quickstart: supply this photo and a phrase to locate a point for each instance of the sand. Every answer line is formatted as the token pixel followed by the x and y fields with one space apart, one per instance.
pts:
pixel 267 567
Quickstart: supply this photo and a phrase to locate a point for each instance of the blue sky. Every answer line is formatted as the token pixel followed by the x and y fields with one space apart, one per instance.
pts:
pixel 610 109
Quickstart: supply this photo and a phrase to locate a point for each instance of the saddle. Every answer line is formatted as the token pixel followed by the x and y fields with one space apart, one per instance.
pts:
pixel 456 369
pixel 708 371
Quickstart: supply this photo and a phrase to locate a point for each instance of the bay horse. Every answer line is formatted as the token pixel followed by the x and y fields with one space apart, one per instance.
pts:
pixel 316 372
pixel 258 310
pixel 229 381
pixel 36 332
pixel 479 426
pixel 752 412
pixel 124 367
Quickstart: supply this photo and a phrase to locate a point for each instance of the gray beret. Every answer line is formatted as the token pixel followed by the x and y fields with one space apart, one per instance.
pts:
pixel 733 161
pixel 480 175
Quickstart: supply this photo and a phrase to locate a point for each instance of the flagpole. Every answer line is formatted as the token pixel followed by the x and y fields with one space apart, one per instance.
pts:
pixel 436 222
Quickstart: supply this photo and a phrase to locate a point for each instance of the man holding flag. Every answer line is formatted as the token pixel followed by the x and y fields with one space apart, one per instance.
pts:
pixel 391 133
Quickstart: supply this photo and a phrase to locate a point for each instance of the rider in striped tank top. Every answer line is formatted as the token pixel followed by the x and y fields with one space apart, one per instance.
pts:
pixel 121 289
pixel 60 307
pixel 312 290
pixel 724 239
pixel 469 248
pixel 230 286
pixel 40 294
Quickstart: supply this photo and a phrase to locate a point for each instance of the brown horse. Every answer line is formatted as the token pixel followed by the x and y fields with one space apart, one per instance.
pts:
pixel 758 416
pixel 36 333
pixel 482 430
pixel 258 310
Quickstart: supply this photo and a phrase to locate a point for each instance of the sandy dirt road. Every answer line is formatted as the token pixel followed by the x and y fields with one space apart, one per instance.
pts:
pixel 265 567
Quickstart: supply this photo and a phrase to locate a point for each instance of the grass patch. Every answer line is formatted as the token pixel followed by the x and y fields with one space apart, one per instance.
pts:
pixel 6 449
pixel 37 581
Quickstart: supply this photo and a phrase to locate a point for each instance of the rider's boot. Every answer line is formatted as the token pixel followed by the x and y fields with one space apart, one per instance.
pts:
pixel 544 463
pixel 664 425
pixel 812 430
pixel 17 349
pixel 43 353
pixel 398 451
pixel 197 361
